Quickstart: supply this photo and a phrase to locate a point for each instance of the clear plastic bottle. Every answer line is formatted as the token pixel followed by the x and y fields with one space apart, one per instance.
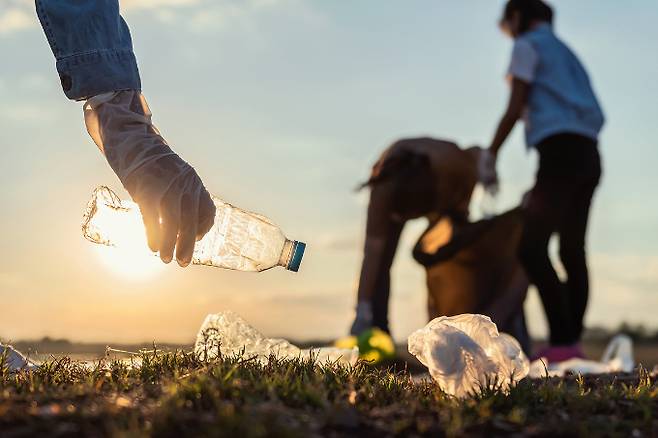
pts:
pixel 238 240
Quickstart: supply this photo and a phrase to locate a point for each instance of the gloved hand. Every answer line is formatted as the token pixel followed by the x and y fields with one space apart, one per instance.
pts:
pixel 176 207
pixel 363 318
pixel 487 171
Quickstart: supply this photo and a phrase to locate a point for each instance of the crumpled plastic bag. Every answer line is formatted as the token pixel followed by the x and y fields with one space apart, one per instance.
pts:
pixel 618 357
pixel 229 334
pixel 465 352
pixel 13 359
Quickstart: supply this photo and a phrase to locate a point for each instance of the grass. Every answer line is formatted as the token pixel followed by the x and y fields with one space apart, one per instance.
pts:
pixel 178 394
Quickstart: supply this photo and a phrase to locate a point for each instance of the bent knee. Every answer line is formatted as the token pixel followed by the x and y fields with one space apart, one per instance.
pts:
pixel 572 254
pixel 531 251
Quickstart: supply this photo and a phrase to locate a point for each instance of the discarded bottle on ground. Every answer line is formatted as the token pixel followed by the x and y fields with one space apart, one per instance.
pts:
pixel 238 240
pixel 227 334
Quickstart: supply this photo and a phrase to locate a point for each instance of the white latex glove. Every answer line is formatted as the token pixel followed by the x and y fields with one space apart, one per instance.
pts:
pixel 525 200
pixel 176 207
pixel 363 318
pixel 487 171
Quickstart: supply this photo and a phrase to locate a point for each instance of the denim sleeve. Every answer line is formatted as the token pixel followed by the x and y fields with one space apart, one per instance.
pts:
pixel 92 45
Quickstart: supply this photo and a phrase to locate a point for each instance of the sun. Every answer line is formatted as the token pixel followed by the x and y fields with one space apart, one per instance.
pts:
pixel 117 229
pixel 132 263
pixel 129 255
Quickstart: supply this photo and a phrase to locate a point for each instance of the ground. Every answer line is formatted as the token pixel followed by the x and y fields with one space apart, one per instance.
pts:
pixel 177 394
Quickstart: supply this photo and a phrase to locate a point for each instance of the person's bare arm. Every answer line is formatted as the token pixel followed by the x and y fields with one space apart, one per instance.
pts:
pixel 517 101
pixel 382 235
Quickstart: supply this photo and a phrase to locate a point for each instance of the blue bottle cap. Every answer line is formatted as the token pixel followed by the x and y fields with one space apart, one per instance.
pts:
pixel 297 255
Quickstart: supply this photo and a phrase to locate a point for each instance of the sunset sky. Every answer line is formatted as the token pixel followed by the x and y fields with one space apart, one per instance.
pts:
pixel 282 106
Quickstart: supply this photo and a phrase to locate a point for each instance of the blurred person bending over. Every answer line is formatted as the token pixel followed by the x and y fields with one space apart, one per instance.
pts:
pixel 96 64
pixel 414 178
pixel 551 91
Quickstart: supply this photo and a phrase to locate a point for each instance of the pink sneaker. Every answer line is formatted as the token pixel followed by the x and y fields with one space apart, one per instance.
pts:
pixel 560 353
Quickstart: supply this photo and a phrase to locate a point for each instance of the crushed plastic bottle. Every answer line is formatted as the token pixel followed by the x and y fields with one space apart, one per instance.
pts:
pixel 228 334
pixel 238 240
pixel 466 352
pixel 618 357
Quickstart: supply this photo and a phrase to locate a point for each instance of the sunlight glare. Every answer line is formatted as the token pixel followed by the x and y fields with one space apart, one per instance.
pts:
pixel 129 256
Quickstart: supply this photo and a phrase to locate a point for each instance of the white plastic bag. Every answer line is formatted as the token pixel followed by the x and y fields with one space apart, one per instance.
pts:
pixel 13 359
pixel 465 352
pixel 228 333
pixel 618 357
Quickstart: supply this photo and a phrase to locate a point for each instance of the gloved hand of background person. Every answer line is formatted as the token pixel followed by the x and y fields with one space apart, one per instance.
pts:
pixel 176 207
pixel 362 319
pixel 487 171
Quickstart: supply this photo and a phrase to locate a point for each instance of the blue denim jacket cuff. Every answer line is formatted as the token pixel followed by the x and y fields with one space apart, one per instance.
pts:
pixel 88 74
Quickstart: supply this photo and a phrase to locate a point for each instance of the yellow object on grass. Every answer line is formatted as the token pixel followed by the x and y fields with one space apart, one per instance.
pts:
pixel 347 342
pixel 375 345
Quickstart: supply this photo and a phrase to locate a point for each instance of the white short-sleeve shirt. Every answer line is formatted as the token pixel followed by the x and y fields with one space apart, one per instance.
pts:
pixel 524 61
pixel 561 99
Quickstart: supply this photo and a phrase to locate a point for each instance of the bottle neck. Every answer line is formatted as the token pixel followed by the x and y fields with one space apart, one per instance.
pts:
pixel 286 253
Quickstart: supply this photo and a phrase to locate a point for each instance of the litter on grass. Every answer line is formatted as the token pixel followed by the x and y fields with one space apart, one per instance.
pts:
pixel 618 357
pixel 226 333
pixel 13 359
pixel 462 353
pixel 465 352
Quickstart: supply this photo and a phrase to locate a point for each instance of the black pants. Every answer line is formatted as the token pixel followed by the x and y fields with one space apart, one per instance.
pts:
pixel 569 171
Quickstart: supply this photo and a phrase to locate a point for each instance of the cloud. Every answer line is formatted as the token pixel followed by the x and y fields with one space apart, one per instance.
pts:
pixel 15 17
pixel 34 82
pixel 19 15
pixel 194 15
pixel 27 113
pixel 127 5
pixel 247 15
pixel 11 280
pixel 632 270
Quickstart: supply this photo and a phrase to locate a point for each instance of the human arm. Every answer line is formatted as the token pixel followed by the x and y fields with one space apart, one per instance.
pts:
pixel 382 235
pixel 517 102
pixel 488 157
pixel 521 73
pixel 95 61
pixel 176 208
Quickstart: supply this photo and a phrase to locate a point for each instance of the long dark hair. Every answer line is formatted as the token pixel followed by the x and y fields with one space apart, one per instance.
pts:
pixel 411 183
pixel 529 11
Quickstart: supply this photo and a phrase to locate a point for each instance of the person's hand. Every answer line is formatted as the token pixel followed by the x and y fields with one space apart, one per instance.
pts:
pixel 487 171
pixel 363 318
pixel 179 217
pixel 176 207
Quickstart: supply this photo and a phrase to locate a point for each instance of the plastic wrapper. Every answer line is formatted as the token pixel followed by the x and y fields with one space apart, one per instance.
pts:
pixel 618 357
pixel 227 334
pixel 14 360
pixel 465 353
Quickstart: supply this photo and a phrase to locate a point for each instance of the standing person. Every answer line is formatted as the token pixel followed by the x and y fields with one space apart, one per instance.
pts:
pixel 551 91
pixel 96 64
